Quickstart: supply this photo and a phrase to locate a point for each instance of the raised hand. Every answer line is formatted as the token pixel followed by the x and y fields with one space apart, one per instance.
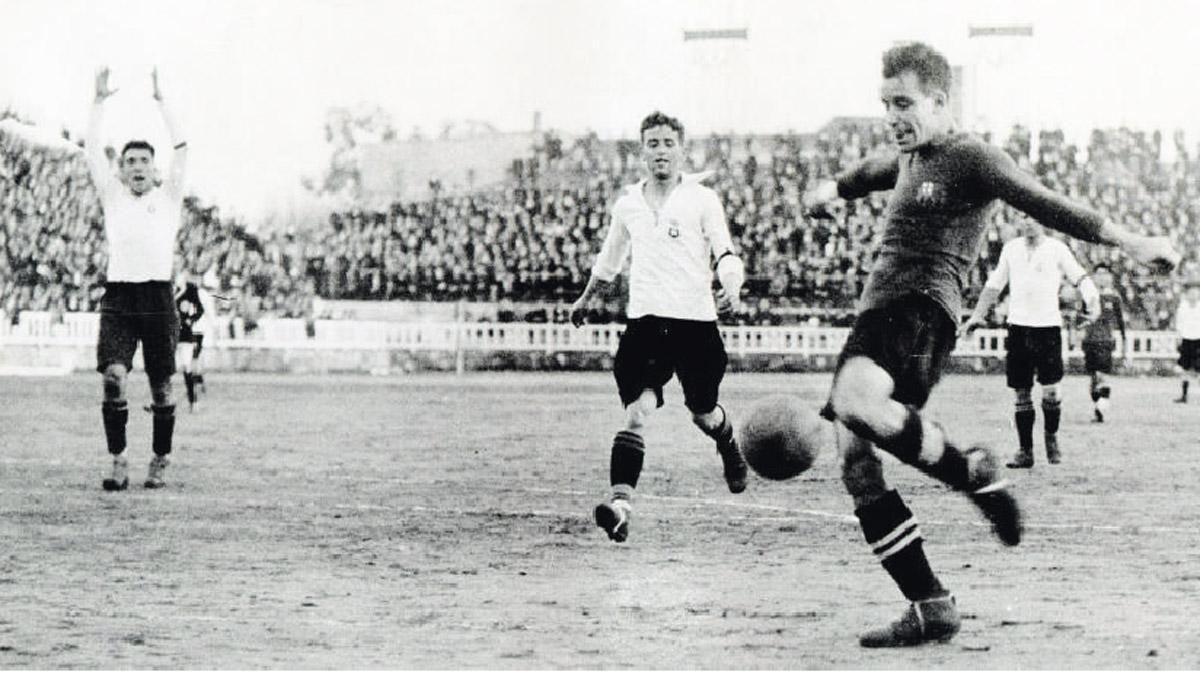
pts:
pixel 102 89
pixel 154 81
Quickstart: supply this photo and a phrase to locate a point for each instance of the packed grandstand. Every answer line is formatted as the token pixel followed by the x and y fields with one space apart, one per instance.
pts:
pixel 527 245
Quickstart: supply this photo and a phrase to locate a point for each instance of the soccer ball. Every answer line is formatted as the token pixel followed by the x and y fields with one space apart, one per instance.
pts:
pixel 781 437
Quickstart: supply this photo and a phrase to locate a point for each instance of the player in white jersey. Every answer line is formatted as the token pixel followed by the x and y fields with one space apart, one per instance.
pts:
pixel 141 219
pixel 672 230
pixel 1033 267
pixel 1187 324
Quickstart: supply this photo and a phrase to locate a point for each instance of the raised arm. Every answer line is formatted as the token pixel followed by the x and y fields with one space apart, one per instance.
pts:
pixel 93 149
pixel 178 143
pixel 1001 178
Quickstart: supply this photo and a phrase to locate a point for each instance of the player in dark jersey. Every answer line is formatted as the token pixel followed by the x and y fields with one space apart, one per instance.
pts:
pixel 1099 341
pixel 191 339
pixel 944 184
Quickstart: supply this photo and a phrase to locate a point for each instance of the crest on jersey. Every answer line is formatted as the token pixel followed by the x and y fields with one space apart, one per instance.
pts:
pixel 673 228
pixel 931 194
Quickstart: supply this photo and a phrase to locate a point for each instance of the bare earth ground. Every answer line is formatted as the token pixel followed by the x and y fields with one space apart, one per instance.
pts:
pixel 442 522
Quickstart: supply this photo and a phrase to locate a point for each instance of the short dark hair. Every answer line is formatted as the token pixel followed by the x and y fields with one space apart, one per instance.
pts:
pixel 137 145
pixel 1103 267
pixel 931 68
pixel 658 119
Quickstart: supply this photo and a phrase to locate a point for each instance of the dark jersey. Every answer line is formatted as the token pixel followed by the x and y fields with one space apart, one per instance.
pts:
pixel 189 306
pixel 1112 318
pixel 937 214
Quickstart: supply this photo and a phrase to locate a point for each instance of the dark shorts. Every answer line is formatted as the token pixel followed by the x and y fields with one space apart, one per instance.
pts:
pixel 138 312
pixel 1098 356
pixel 185 333
pixel 652 349
pixel 1033 349
pixel 1189 355
pixel 910 338
pixel 196 340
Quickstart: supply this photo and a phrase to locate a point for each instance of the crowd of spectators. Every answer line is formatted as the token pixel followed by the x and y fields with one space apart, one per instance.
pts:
pixel 534 238
pixel 52 251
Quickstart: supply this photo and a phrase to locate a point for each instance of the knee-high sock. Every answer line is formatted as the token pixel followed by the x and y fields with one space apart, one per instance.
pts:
pixel 1052 412
pixel 164 428
pixel 1024 417
pixel 625 466
pixel 922 444
pixel 894 536
pixel 189 381
pixel 116 415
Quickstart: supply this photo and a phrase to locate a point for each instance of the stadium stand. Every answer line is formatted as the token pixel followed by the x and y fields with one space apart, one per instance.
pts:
pixel 526 246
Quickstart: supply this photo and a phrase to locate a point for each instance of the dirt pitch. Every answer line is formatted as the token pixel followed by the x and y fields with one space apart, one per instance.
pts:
pixel 444 522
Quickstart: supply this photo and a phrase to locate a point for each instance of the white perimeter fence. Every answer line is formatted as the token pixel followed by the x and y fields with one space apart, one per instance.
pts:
pixel 38 334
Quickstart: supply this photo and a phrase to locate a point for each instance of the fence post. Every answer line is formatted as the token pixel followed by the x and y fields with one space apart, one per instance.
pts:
pixel 460 361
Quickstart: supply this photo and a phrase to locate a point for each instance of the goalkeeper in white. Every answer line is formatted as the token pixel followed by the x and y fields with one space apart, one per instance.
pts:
pixel 672 230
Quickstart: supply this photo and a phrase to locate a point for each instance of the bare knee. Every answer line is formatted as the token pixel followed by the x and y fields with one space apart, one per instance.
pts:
pixel 709 421
pixel 114 377
pixel 1023 396
pixel 160 390
pixel 1051 393
pixel 861 396
pixel 638 412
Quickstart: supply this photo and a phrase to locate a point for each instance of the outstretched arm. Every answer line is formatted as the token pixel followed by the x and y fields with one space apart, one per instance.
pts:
pixel 1002 178
pixel 178 144
pixel 870 175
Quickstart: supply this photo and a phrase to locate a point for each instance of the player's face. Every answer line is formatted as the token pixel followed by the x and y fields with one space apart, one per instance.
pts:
pixel 1104 280
pixel 1031 230
pixel 662 150
pixel 913 115
pixel 137 170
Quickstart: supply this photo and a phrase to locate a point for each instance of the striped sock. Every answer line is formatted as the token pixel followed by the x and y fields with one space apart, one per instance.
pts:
pixel 894 536
pixel 628 453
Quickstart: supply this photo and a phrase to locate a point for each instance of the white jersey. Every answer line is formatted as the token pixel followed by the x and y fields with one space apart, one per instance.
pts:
pixel 1187 320
pixel 1034 276
pixel 140 230
pixel 670 251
